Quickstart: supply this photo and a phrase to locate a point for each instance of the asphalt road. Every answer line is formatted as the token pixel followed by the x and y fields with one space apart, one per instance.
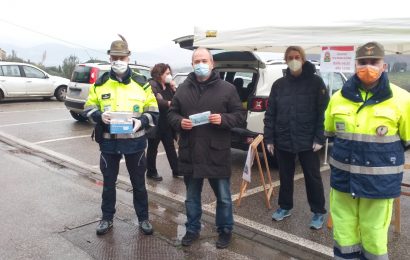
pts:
pixel 47 126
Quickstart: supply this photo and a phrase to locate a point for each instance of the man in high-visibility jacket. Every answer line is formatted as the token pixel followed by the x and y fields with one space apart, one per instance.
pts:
pixel 369 120
pixel 122 90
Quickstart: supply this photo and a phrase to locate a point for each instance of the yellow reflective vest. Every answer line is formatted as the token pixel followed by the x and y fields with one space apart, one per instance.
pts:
pixel 132 94
pixel 370 131
pixel 128 96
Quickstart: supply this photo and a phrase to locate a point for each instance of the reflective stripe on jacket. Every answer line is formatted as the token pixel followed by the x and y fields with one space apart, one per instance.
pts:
pixel 370 130
pixel 110 94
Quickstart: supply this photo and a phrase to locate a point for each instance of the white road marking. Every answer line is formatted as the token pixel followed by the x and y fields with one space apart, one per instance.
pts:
pixel 275 184
pixel 164 153
pixel 36 122
pixel 61 139
pixel 281 235
pixel 32 110
pixel 210 209
pixel 258 189
pixel 98 166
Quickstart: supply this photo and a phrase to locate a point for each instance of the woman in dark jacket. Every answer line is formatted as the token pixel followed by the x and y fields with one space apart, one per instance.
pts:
pixel 164 89
pixel 294 126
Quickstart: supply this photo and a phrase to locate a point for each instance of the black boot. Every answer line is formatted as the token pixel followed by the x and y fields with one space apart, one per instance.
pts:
pixel 154 176
pixel 103 227
pixel 189 238
pixel 224 239
pixel 146 227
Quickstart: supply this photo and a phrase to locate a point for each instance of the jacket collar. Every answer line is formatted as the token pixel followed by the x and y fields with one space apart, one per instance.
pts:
pixel 214 77
pixel 381 92
pixel 308 69
pixel 126 79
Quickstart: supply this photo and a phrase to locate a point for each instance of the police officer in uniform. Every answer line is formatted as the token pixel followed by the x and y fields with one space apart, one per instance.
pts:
pixel 369 121
pixel 122 90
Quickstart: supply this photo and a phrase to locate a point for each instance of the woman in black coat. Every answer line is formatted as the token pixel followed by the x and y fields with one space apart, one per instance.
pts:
pixel 164 89
pixel 294 127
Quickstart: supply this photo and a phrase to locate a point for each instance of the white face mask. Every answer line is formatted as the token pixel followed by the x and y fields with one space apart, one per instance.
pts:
pixel 119 66
pixel 168 78
pixel 295 65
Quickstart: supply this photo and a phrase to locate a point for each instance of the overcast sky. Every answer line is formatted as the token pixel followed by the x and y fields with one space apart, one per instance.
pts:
pixel 152 24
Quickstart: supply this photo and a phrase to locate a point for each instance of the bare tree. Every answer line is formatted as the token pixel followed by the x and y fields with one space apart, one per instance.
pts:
pixel 69 65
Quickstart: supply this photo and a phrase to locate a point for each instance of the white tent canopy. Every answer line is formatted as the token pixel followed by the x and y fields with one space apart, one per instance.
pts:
pixel 393 33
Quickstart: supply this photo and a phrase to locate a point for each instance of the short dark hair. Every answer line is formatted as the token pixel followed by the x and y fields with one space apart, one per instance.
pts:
pixel 158 70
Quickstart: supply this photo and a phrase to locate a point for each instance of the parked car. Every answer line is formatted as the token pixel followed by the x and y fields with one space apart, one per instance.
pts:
pixel 237 67
pixel 84 75
pixel 180 77
pixel 21 80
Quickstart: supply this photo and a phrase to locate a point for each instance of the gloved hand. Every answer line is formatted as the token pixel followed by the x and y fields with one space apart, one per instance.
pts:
pixel 106 117
pixel 137 124
pixel 316 147
pixel 270 148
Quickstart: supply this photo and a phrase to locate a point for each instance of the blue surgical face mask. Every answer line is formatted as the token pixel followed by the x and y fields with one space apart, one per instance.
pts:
pixel 201 69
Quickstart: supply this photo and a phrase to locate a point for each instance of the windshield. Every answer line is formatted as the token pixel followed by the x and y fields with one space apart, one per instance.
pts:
pixel 81 74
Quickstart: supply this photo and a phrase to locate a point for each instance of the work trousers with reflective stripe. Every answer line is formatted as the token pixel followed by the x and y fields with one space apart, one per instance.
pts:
pixel 136 165
pixel 360 226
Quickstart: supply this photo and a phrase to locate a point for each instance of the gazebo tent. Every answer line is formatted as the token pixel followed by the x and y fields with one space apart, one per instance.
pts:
pixel 393 33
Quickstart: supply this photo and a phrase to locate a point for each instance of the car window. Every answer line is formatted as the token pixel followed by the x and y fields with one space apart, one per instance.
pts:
pixel 337 81
pixel 33 72
pixel 1 71
pixel 146 73
pixel 81 74
pixel 179 79
pixel 245 76
pixel 101 72
pixel 11 70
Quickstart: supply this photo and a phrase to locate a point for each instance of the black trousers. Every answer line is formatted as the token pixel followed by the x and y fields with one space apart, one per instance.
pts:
pixel 167 140
pixel 310 163
pixel 136 165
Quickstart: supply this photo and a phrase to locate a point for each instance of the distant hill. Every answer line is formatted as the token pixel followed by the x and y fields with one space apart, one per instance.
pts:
pixel 179 59
pixel 56 53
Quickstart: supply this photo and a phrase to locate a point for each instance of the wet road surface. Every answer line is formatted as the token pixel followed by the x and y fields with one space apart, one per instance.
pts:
pixel 48 129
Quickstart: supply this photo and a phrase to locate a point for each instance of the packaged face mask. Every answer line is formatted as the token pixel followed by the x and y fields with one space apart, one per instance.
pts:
pixel 200 118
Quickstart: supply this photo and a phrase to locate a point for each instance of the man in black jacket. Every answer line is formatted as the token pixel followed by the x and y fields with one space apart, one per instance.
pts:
pixel 294 126
pixel 204 150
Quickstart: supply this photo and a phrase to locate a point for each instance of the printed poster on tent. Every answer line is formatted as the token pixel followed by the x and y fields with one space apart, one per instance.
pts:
pixel 337 59
pixel 247 170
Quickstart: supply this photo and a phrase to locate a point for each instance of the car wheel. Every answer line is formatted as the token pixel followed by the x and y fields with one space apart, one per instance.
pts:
pixel 1 95
pixel 60 93
pixel 78 117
